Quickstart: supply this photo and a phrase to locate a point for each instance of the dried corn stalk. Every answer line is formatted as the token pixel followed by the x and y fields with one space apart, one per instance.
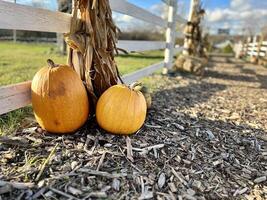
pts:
pixel 193 33
pixel 92 45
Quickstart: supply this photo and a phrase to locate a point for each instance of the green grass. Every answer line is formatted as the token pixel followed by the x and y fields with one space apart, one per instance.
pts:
pixel 20 61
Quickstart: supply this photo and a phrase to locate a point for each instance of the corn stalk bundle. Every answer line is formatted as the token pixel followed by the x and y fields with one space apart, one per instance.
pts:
pixel 193 33
pixel 92 45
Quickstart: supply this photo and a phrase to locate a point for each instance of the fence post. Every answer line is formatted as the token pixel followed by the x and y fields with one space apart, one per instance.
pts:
pixel 253 46
pixel 259 45
pixel 63 6
pixel 170 36
pixel 246 46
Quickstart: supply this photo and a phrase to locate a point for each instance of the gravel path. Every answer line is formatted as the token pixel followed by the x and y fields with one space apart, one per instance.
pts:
pixel 203 139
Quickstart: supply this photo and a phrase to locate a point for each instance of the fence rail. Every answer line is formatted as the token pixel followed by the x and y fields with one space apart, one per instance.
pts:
pixel 15 96
pixel 258 49
pixel 127 45
pixel 21 17
pixel 123 7
pixel 29 39
pixel 138 45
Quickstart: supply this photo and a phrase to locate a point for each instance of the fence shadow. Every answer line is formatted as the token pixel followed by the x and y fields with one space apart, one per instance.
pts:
pixel 225 76
pixel 246 75
pixel 190 95
pixel 245 70
pixel 226 60
pixel 262 80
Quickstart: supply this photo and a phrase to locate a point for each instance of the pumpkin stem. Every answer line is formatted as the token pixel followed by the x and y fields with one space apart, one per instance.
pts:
pixel 134 84
pixel 51 63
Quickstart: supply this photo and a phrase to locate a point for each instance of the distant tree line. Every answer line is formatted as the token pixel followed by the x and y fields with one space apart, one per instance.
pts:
pixel 133 35
pixel 28 36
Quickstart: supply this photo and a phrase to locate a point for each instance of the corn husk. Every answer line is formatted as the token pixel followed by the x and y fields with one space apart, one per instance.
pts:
pixel 92 45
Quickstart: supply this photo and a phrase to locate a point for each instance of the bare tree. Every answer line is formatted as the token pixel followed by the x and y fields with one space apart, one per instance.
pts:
pixel 64 5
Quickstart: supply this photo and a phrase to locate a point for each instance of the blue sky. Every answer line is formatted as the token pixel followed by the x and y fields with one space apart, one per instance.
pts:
pixel 210 3
pixel 234 14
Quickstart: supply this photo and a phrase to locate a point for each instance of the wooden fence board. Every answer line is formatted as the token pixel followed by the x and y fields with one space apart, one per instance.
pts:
pixel 21 17
pixel 180 19
pixel 128 45
pixel 137 45
pixel 127 8
pixel 256 53
pixel 129 78
pixel 14 96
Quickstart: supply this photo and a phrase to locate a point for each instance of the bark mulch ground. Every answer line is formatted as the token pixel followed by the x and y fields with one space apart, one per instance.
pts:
pixel 203 139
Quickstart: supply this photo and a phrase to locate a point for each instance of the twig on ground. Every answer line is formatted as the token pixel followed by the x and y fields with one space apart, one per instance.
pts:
pixel 101 161
pixel 63 193
pixel 100 173
pixel 129 149
pixel 16 141
pixel 17 185
pixel 46 162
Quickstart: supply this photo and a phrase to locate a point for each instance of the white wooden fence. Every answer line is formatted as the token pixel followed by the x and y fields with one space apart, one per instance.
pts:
pixel 21 17
pixel 254 48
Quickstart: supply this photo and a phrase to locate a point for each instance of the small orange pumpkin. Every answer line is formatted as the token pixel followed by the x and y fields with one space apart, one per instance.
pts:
pixel 59 99
pixel 121 110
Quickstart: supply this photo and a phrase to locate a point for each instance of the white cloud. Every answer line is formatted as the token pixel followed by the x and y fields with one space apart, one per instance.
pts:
pixel 120 18
pixel 125 22
pixel 240 4
pixel 241 14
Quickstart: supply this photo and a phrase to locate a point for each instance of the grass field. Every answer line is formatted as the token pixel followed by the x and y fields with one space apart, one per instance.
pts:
pixel 20 61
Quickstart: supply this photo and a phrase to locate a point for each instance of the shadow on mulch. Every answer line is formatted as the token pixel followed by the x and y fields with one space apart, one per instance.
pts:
pixel 262 79
pixel 245 70
pixel 190 95
pixel 256 78
pixel 227 60
pixel 226 76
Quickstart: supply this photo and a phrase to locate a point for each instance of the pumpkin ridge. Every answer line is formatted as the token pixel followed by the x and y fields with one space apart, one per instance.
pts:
pixel 120 93
pixel 140 94
pixel 135 102
pixel 120 127
pixel 106 106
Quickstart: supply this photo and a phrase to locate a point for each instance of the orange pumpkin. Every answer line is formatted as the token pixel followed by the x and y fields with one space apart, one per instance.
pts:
pixel 121 110
pixel 59 99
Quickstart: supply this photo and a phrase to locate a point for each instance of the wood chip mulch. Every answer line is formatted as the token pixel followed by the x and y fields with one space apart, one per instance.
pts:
pixel 203 139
